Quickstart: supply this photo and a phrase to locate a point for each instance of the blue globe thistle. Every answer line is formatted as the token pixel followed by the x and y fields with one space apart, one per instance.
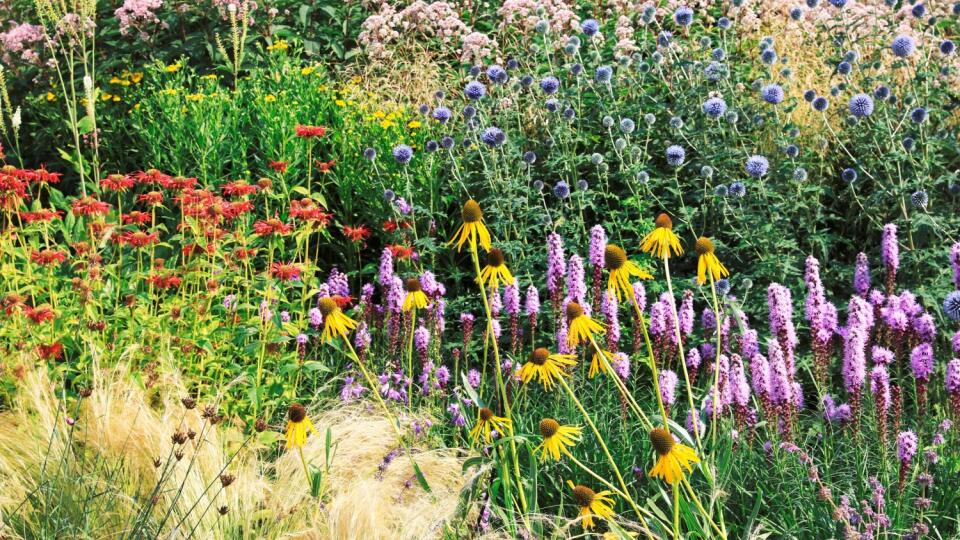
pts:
pixel 541 27
pixel 474 90
pixel 809 95
pixel 951 305
pixel 650 119
pixel 648 13
pixel 576 69
pixel 813 3
pixel 561 190
pixel 756 166
pixel 627 126
pixel 903 46
pixel 676 122
pixel 954 187
pixel 569 113
pixel 705 42
pixel 590 27
pixel 956 8
pixel 469 112
pixel 402 153
pixel 538 185
pixel 431 146
pixel 493 136
pixel 786 72
pixel 475 71
pixel 920 199
pixel 683 16
pixel 552 105
pixel 768 56
pixel 839 3
pixel 792 150
pixel 447 142
pixel 793 132
pixel 835 90
pixel 582 185
pixel 526 81
pixel 731 117
pixel 772 93
pixel 766 42
pixel 722 286
pixel 947 47
pixel 738 189
pixel 603 74
pixel 620 144
pixel 919 10
pixel 918 115
pixel 706 171
pixel 607 121
pixel 715 107
pixel 664 38
pixel 721 190
pixel 513 64
pixel 844 68
pixel 796 13
pixel 643 177
pixel 907 143
pixel 849 175
pixel 675 155
pixel 529 157
pixel 714 71
pixel 571 48
pixel 596 158
pixel 370 154
pixel 861 105
pixel 389 195
pixel 800 174
pixel 656 57
pixel 881 92
pixel 718 54
pixel 723 23
pixel 466 143
pixel 851 56
pixel 496 74
pixel 550 84
pixel 442 114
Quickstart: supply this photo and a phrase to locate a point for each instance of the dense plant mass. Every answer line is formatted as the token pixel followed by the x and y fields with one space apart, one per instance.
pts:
pixel 530 268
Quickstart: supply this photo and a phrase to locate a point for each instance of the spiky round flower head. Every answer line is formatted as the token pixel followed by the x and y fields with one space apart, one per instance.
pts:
pixel 919 115
pixel 809 95
pixel 920 199
pixel 550 85
pixel 844 68
pixel 487 422
pixel 493 136
pixel 673 457
pixel 603 74
pixel 442 114
pixel 906 446
pixel 918 10
pixel 849 175
pixel 496 74
pixel 556 439
pixel 947 47
pixel 335 322
pixel 474 90
pixel 664 38
pixel 861 105
pixel 472 227
pixel 707 261
pixel 495 272
pixel 715 107
pixel 370 154
pixel 820 104
pixel 662 241
pixel 756 166
pixel 683 16
pixel 737 189
pixel 561 190
pixel 675 155
pixel 402 153
pixel 772 93
pixel 298 426
pixel 546 367
pixel 591 502
pixel 768 56
pixel 796 13
pixel 951 306
pixel 590 27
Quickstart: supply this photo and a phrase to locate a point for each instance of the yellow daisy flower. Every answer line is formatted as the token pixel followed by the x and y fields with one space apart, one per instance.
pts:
pixel 487 422
pixel 591 503
pixel 708 262
pixel 335 323
pixel 598 364
pixel 580 327
pixel 545 366
pixel 556 439
pixel 472 228
pixel 621 270
pixel 415 296
pixel 673 457
pixel 662 240
pixel 495 271
pixel 298 425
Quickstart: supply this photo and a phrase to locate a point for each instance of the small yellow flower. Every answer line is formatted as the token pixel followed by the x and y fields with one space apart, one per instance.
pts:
pixel 335 322
pixel 472 227
pixel 280 45
pixel 323 88
pixel 210 77
pixel 487 422
pixel 591 503
pixel 379 114
pixel 105 96
pixel 169 91
pixel 621 270
pixel 556 439
pixel 673 457
pixel 580 327
pixel 415 296
pixel 298 426
pixel 136 77
pixel 414 124
pixel 386 124
pixel 173 68
pixel 340 103
pixel 545 366
pixel 496 271
pixel 708 261
pixel 269 98
pixel 51 96
pixel 194 97
pixel 307 70
pixel 662 240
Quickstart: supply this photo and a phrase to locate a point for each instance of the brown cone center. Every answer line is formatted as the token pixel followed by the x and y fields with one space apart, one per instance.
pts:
pixel 662 441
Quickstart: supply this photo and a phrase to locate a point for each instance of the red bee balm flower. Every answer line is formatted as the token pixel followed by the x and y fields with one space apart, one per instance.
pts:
pixel 285 271
pixel 138 239
pixel 136 217
pixel 271 226
pixel 48 257
pixel 41 313
pixel 40 215
pixel 53 351
pixel 400 252
pixel 308 132
pixel 326 166
pixel 278 166
pixel 89 206
pixel 356 234
pixel 152 198
pixel 239 188
pixel 117 182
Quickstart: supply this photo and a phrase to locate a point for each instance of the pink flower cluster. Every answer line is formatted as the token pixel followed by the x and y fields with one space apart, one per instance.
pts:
pixel 523 16
pixel 139 16
pixel 19 41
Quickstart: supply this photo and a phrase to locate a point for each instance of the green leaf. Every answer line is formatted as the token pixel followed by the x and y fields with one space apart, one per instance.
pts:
pixel 85 125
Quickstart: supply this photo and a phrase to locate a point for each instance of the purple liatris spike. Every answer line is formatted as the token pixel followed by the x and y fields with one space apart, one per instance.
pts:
pixel 668 386
pixel 473 378
pixel 640 293
pixel 532 304
pixel 338 283
pixel 316 317
pixel 924 328
pixel 921 361
pixel 511 299
pixel 386 268
pixel 952 381
pixel 760 375
pixel 861 275
pixel 780 387
pixel 749 343
pixel 739 388
pixel 686 313
pixel 859 314
pixel 598 243
pixel 854 359
pixel 906 446
pixel 890 254
pixel 621 365
pixel 881 355
pixel 955 263
pixel 431 287
pixel 609 308
pixel 395 295
pixel 693 360
pixel 576 284
pixel 708 319
pixel 421 341
pixel 880 386
pixel 361 338
pixel 780 307
pixel 556 264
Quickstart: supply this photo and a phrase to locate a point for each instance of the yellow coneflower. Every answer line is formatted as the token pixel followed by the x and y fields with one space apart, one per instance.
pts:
pixel 662 240
pixel 546 366
pixel 708 261
pixel 591 503
pixel 487 422
pixel 673 457
pixel 621 270
pixel 580 327
pixel 415 297
pixel 472 228
pixel 496 271
pixel 556 438
pixel 298 425
pixel 598 363
pixel 335 323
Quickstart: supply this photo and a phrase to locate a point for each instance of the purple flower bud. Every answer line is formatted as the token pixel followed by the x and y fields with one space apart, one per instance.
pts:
pixel 889 248
pixel 880 386
pixel 686 313
pixel 421 340
pixel 906 446
pixel 598 244
pixel 556 264
pixel 921 361
pixel 473 378
pixel 386 269
pixel 952 378
pixel 780 387
pixel 925 328
pixel 640 293
pixel 739 389
pixel 760 375
pixel 668 386
pixel 854 359
pixel 881 355
pixel 861 275
pixel 511 298
pixel 576 284
pixel 693 358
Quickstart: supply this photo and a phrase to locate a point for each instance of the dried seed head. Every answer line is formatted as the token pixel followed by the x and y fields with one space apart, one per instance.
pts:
pixel 663 221
pixel 614 257
pixel 178 454
pixel 209 412
pixel 573 310
pixel 486 414
pixel 85 392
pixel 539 356
pixel 495 257
pixel 327 305
pixel 297 413
pixel 179 437
pixel 260 425
pixel 471 212
pixel 662 441
pixel 222 510
pixel 188 402
pixel 191 434
pixel 157 462
pixel 549 427
pixel 412 285
pixel 583 495
pixel 226 479
pixel 704 245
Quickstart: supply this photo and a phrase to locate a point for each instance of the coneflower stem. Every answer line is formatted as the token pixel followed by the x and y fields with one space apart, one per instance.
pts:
pixel 306 470
pixel 653 362
pixel 683 362
pixel 696 502
pixel 676 511
pixel 620 386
